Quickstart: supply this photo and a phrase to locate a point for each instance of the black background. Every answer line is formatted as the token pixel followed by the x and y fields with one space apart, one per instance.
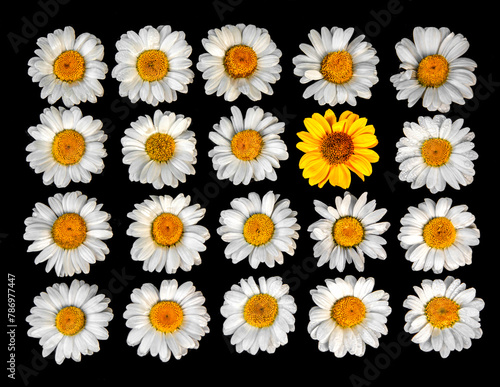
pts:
pixel 385 23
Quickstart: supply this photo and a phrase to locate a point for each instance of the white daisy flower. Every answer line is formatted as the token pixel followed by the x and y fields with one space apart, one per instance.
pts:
pixel 67 146
pixel 259 229
pixel 258 315
pixel 69 233
pixel 168 321
pixel 240 59
pixel 444 315
pixel 349 231
pixel 70 320
pixel 69 67
pixel 153 65
pixel 247 148
pixel 434 69
pixel 160 150
pixel 348 315
pixel 437 235
pixel 435 152
pixel 168 234
pixel 341 70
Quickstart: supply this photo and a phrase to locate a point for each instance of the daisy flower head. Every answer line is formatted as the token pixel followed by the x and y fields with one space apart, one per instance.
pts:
pixel 259 229
pixel 259 314
pixel 348 231
pixel 168 321
pixel 240 59
pixel 341 70
pixel 436 152
pixel 444 316
pixel 348 315
pixel 67 146
pixel 69 67
pixel 333 148
pixel 168 236
pixel 69 233
pixel 160 150
pixel 153 65
pixel 436 235
pixel 434 69
pixel 247 148
pixel 70 320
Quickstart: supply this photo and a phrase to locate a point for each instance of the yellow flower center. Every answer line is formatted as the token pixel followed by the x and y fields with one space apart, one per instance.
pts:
pixel 166 316
pixel 69 66
pixel 152 65
pixel 258 229
pixel 247 144
pixel 69 231
pixel 240 61
pixel 70 320
pixel 336 67
pixel 261 310
pixel 336 148
pixel 433 71
pixel 68 147
pixel 167 229
pixel 348 311
pixel 441 312
pixel 436 151
pixel 439 233
pixel 348 232
pixel 160 147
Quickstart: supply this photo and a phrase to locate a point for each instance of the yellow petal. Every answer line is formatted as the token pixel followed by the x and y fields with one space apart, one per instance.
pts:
pixel 323 122
pixel 330 117
pixel 307 137
pixel 357 126
pixel 313 168
pixel 306 147
pixel 309 158
pixel 348 116
pixel 320 175
pixel 368 154
pixel 314 128
pixel 361 164
pixel 365 141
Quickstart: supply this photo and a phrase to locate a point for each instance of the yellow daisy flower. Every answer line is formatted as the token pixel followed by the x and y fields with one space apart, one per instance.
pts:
pixel 334 147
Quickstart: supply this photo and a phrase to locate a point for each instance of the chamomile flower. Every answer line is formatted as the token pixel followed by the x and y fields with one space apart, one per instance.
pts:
pixel 70 320
pixel 160 150
pixel 168 236
pixel 348 315
pixel 444 316
pixel 67 146
pixel 153 65
pixel 335 148
pixel 69 67
pixel 435 152
pixel 69 233
pixel 434 69
pixel 168 321
pixel 341 70
pixel 240 59
pixel 437 235
pixel 349 231
pixel 259 229
pixel 247 148
pixel 259 314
